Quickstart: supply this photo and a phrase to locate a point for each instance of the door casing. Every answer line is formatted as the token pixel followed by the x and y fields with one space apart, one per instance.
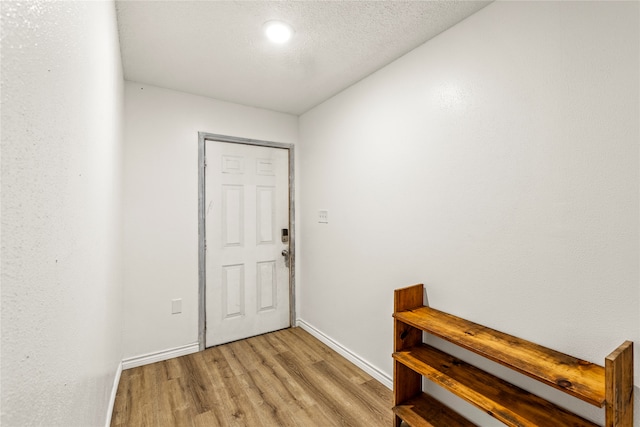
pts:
pixel 202 276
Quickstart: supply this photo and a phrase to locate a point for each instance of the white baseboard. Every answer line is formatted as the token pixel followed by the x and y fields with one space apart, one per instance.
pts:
pixel 159 356
pixel 347 354
pixel 114 390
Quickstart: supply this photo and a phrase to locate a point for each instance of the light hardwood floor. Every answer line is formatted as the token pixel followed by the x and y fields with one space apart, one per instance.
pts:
pixel 284 378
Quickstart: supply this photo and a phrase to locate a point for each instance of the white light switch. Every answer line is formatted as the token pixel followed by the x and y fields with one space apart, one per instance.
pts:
pixel 176 306
pixel 323 216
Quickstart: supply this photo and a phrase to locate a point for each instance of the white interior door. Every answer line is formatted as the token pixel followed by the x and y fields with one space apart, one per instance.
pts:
pixel 247 207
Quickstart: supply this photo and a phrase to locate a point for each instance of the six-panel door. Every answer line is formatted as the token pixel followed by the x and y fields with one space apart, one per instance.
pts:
pixel 247 207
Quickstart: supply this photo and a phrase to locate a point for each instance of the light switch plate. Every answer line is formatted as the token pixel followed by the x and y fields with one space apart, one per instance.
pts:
pixel 323 216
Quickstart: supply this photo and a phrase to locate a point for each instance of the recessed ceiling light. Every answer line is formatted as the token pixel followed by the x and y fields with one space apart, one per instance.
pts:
pixel 278 31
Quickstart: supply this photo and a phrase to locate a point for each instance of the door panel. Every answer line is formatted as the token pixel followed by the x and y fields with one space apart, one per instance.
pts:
pixel 247 205
pixel 233 215
pixel 267 285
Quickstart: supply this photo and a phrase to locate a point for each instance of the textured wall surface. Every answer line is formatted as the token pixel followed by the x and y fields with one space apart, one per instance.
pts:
pixel 61 212
pixel 498 164
pixel 161 205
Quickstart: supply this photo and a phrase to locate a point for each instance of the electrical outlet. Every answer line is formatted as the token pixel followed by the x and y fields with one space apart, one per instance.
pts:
pixel 323 216
pixel 176 306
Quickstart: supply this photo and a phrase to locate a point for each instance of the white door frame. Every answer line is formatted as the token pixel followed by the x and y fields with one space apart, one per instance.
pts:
pixel 202 273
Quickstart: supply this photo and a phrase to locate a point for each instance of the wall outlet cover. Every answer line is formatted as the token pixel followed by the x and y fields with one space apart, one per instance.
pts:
pixel 176 306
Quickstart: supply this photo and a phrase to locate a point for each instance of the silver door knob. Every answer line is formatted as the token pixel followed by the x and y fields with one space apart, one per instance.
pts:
pixel 285 252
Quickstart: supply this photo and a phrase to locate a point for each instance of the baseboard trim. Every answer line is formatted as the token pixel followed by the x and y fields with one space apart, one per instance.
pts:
pixel 347 354
pixel 159 356
pixel 112 399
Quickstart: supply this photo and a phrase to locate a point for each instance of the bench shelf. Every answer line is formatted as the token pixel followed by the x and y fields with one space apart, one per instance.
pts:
pixel 610 385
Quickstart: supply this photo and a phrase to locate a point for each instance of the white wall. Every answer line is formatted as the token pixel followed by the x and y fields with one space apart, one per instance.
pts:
pixel 61 212
pixel 498 164
pixel 161 205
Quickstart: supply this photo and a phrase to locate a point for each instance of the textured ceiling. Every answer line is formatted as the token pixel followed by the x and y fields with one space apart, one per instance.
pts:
pixel 217 49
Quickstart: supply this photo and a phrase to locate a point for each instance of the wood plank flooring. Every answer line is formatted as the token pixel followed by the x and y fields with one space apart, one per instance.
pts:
pixel 284 378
